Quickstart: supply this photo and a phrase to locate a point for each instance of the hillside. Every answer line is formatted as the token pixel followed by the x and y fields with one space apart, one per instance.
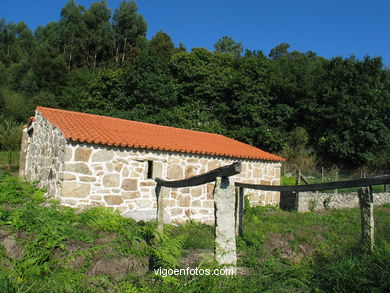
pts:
pixel 48 248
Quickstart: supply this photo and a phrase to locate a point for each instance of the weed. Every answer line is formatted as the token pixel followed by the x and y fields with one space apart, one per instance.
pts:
pixel 167 248
pixel 313 204
pixel 326 202
pixel 198 236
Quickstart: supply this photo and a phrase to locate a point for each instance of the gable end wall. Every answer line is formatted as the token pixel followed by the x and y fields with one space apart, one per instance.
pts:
pixel 45 155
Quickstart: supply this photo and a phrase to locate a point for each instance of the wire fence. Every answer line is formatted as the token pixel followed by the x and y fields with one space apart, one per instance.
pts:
pixel 321 174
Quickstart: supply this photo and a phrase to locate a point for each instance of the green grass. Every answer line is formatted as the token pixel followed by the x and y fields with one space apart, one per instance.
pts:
pixel 280 251
pixel 44 229
pixel 199 236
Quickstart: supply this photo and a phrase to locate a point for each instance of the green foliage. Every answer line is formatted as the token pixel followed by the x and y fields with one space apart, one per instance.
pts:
pixel 129 27
pixel 10 135
pixel 16 106
pixel 227 45
pixel 356 273
pixel 312 205
pixel 249 116
pixel 162 45
pixel 296 151
pixel 167 248
pixel 103 91
pixel 198 236
pixel 99 32
pixel 104 219
pixel 330 261
pixel 99 61
pixel 72 29
pixel 352 98
pixel 13 191
pixel 288 180
pixel 382 159
pixel 10 139
pixel 49 71
pixel 279 51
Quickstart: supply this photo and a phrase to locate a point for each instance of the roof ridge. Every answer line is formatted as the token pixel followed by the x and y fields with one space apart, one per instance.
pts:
pixel 127 120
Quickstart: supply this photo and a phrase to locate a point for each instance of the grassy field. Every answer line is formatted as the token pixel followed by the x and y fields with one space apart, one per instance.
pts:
pixel 48 248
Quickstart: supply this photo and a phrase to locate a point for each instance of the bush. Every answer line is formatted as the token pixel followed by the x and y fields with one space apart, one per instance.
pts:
pixel 10 139
pixel 297 152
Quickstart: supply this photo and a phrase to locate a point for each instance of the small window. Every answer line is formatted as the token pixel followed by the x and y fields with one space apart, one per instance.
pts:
pixel 150 170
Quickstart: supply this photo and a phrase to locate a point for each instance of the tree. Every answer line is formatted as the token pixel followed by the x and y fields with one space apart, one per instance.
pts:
pixel 192 115
pixel 130 28
pixel 161 45
pixel 139 90
pixel 49 69
pixel 349 124
pixel 227 45
pixel 50 34
pixel 25 39
pixel 16 106
pixel 181 48
pixel 204 76
pixel 295 82
pixel 72 30
pixel 296 150
pixel 7 41
pixel 254 115
pixel 279 51
pixel 99 39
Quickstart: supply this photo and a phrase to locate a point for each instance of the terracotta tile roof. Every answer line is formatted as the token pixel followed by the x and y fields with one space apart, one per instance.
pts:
pixel 110 131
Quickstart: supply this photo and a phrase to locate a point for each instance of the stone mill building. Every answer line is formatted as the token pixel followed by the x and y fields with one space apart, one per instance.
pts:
pixel 84 159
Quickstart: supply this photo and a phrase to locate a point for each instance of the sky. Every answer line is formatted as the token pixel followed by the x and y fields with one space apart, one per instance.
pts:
pixel 327 27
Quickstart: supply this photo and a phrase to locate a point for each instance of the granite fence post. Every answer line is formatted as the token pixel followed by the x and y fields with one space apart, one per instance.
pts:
pixel 225 235
pixel 366 201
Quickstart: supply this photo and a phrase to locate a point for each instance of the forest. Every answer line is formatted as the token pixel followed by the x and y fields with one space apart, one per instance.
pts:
pixel 311 110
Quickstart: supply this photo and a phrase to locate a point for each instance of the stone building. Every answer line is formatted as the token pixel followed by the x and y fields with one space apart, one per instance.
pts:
pixel 84 159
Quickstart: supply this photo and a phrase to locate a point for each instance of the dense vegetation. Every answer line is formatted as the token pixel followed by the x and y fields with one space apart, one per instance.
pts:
pixel 48 248
pixel 305 107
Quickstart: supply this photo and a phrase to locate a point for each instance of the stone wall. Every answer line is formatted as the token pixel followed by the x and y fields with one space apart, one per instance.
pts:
pixel 307 201
pixel 118 178
pixel 42 155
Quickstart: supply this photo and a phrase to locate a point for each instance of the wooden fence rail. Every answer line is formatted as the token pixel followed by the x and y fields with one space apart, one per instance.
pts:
pixel 361 182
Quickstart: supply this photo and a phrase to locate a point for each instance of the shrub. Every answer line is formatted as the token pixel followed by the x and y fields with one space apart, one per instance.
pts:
pixel 10 138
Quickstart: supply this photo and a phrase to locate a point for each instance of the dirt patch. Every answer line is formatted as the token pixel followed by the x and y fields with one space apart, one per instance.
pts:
pixel 105 238
pixel 76 245
pixel 73 254
pixel 192 258
pixel 12 248
pixel 281 245
pixel 118 267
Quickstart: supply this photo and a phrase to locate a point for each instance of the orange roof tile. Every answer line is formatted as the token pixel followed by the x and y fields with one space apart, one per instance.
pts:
pixel 110 131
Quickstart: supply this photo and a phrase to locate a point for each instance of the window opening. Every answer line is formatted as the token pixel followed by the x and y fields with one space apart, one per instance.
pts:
pixel 150 170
